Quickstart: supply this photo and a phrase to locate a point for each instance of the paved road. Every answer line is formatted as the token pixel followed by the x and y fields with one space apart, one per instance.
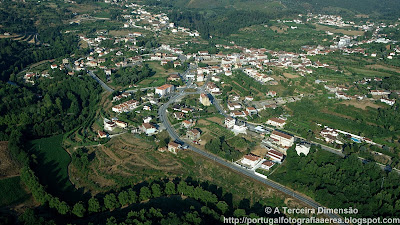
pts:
pixel 171 131
pixel 104 85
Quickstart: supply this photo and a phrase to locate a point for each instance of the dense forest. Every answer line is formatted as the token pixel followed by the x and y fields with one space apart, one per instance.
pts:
pixel 220 147
pixel 387 9
pixel 54 106
pixel 342 183
pixel 15 55
pixel 131 75
pixel 222 23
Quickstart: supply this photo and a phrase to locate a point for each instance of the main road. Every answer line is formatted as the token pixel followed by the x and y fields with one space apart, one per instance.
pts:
pixel 162 113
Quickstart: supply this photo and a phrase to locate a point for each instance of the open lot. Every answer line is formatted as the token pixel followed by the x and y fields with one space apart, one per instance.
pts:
pixel 361 104
pixel 338 30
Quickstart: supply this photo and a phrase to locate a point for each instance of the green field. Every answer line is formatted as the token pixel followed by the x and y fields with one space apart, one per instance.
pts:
pixel 52 164
pixel 12 191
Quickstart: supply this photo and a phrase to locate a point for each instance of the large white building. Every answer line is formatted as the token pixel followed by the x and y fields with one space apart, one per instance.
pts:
pixel 266 165
pixel 165 89
pixel 302 148
pixel 205 100
pixel 282 139
pixel 230 122
pixel 276 122
pixel 250 160
pixel 275 156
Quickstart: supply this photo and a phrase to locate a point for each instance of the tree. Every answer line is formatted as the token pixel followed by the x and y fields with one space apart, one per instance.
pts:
pixel 222 206
pixel 145 194
pixel 110 201
pixel 78 209
pixel 123 198
pixel 63 208
pixel 94 205
pixel 132 196
pixel 239 213
pixel 156 190
pixel 170 188
pixel 182 187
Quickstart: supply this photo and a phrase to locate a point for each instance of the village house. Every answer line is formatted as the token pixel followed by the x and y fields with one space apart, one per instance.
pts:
pixel 125 106
pixel 250 160
pixel 121 124
pixel 205 100
pixel 109 125
pixel 179 115
pixel 187 124
pixel 275 156
pixel 237 114
pixel 282 139
pixel 229 122
pixel 271 93
pixel 148 128
pixel 302 148
pixel 165 89
pixel 390 102
pixel 266 165
pixel 102 134
pixel 173 77
pixel 251 110
pixel 276 122
pixel 379 92
pixel 173 147
pixel 193 134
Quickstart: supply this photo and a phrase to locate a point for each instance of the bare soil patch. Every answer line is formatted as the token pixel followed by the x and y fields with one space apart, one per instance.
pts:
pixel 377 66
pixel 291 76
pixel 203 122
pixel 337 30
pixel 8 167
pixel 361 104
pixel 215 119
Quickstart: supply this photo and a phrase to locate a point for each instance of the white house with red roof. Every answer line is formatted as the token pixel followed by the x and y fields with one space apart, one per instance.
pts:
pixel 282 139
pixel 266 165
pixel 250 160
pixel 276 122
pixel 165 89
pixel 275 156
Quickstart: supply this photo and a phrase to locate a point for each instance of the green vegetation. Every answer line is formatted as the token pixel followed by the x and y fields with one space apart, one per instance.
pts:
pixel 372 123
pixel 12 191
pixel 341 183
pixel 52 164
pixel 197 204
pixel 220 147
pixel 131 75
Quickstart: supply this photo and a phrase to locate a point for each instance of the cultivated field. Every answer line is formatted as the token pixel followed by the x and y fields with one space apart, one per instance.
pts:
pixel 335 30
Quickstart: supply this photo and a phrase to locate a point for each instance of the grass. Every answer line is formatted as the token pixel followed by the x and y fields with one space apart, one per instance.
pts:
pixel 52 166
pixel 334 30
pixel 369 73
pixel 12 191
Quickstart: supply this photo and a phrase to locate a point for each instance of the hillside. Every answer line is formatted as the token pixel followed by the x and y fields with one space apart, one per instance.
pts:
pixel 382 9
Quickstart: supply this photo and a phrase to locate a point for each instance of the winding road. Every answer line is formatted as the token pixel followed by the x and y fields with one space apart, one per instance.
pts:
pixel 162 113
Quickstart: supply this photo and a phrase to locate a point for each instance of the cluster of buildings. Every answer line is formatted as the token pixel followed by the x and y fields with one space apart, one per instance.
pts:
pixel 125 106
pixel 110 125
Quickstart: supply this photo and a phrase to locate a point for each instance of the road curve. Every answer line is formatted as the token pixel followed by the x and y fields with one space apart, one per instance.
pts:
pixel 164 119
